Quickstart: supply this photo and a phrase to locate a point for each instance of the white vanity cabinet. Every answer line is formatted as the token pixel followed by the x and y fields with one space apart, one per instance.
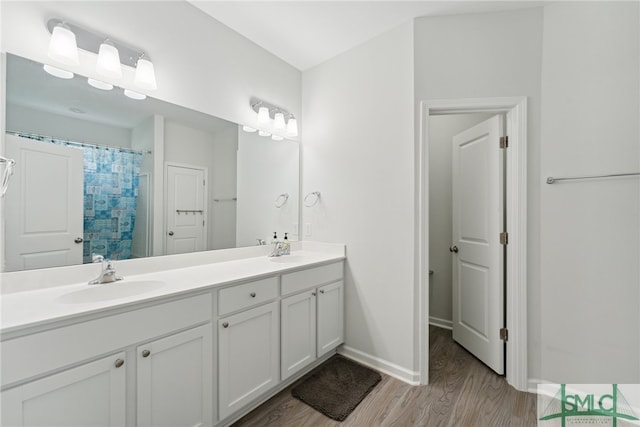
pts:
pixel 174 386
pixel 312 316
pixel 78 374
pixel 248 343
pixel 92 394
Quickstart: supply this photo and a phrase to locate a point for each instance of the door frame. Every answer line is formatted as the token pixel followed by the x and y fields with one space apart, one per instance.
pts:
pixel 515 109
pixel 165 208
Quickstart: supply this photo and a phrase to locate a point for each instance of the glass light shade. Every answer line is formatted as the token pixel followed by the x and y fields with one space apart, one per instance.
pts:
pixel 278 122
pixel 263 133
pixel 263 115
pixel 109 61
pixel 292 127
pixel 277 137
pixel 145 75
pixel 62 45
pixel 134 95
pixel 57 72
pixel 248 129
pixel 99 84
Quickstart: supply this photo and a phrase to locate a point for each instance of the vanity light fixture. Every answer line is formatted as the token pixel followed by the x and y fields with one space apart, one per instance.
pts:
pixel 263 115
pixel 292 126
pixel 58 72
pixel 278 122
pixel 66 41
pixel 279 127
pixel 108 63
pixel 99 84
pixel 145 74
pixel 62 45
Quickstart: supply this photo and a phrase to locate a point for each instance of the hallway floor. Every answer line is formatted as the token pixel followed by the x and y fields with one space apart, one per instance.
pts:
pixel 462 392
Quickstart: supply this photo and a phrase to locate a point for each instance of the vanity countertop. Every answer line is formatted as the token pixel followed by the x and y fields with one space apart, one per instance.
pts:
pixel 31 308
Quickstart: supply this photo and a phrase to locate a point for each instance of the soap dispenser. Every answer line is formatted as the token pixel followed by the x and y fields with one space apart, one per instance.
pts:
pixel 286 247
pixel 275 238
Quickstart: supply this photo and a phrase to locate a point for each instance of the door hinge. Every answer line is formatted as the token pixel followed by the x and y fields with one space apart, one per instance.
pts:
pixel 504 238
pixel 504 334
pixel 504 141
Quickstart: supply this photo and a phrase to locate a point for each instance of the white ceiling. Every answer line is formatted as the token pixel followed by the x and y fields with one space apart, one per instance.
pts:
pixel 307 33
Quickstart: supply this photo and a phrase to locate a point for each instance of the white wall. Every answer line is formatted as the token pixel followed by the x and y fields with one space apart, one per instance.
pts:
pixel 590 240
pixel 441 131
pixel 358 152
pixel 29 120
pixel 266 169
pixel 222 230
pixel 199 63
pixel 492 55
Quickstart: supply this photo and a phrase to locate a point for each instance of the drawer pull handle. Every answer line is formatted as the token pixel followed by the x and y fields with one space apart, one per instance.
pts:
pixel 146 353
pixel 313 293
pixel 253 294
pixel 119 363
pixel 321 291
pixel 225 325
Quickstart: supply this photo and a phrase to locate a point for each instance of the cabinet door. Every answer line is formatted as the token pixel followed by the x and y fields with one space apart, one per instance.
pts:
pixel 93 394
pixel 175 380
pixel 298 343
pixel 330 317
pixel 248 356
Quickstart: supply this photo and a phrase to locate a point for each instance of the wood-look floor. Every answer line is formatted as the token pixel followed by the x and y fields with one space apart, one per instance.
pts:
pixel 462 392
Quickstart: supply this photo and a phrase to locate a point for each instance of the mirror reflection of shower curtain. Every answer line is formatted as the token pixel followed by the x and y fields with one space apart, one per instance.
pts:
pixel 111 180
pixel 110 193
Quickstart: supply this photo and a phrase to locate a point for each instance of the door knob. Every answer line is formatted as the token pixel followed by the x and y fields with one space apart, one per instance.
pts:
pixel 78 240
pixel 454 249
pixel 171 233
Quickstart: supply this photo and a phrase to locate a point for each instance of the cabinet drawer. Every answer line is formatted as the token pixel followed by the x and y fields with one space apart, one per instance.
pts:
pixel 305 279
pixel 35 354
pixel 247 295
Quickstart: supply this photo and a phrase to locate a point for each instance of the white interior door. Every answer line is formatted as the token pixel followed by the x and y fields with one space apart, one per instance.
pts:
pixel 186 209
pixel 478 256
pixel 43 205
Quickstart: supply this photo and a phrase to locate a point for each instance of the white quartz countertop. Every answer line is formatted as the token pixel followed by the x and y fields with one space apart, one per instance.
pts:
pixel 41 306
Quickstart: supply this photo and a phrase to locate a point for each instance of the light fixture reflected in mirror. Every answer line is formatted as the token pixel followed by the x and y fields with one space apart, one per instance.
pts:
pixel 98 84
pixel 248 129
pixel 58 72
pixel 134 95
pixel 264 133
pixel 62 45
pixel 277 137
pixel 278 122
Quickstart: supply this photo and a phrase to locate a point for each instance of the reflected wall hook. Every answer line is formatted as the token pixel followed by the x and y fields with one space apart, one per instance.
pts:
pixel 312 199
pixel 281 200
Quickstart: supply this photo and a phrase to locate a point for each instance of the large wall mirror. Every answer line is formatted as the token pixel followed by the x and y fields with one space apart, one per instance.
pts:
pixel 100 173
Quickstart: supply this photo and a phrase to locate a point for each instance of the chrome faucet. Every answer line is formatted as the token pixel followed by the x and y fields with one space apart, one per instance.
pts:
pixel 108 273
pixel 278 250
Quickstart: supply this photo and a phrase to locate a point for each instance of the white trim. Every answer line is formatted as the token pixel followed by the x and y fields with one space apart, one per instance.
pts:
pixel 440 323
pixel 384 366
pixel 516 283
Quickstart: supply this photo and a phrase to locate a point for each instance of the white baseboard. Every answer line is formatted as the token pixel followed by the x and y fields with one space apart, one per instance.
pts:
pixel 441 323
pixel 533 384
pixel 384 366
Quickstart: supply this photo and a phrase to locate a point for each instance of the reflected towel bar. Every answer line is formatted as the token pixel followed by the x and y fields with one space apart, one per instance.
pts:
pixel 551 180
pixel 228 199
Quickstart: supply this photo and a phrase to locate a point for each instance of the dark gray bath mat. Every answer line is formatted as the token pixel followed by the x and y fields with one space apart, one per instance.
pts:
pixel 337 387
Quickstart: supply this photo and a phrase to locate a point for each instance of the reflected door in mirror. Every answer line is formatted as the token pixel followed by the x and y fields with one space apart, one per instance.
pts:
pixel 186 226
pixel 44 226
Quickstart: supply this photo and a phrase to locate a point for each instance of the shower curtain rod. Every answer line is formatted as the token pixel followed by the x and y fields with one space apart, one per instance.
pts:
pixel 551 180
pixel 83 144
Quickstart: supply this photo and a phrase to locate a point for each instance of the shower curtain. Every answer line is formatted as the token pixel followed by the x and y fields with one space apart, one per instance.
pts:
pixel 110 194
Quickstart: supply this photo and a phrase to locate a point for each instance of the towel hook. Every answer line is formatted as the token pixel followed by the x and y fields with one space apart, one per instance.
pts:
pixel 314 201
pixel 281 200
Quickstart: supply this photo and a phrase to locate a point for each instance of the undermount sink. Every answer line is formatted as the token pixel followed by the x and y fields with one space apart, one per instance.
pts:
pixel 110 291
pixel 288 258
